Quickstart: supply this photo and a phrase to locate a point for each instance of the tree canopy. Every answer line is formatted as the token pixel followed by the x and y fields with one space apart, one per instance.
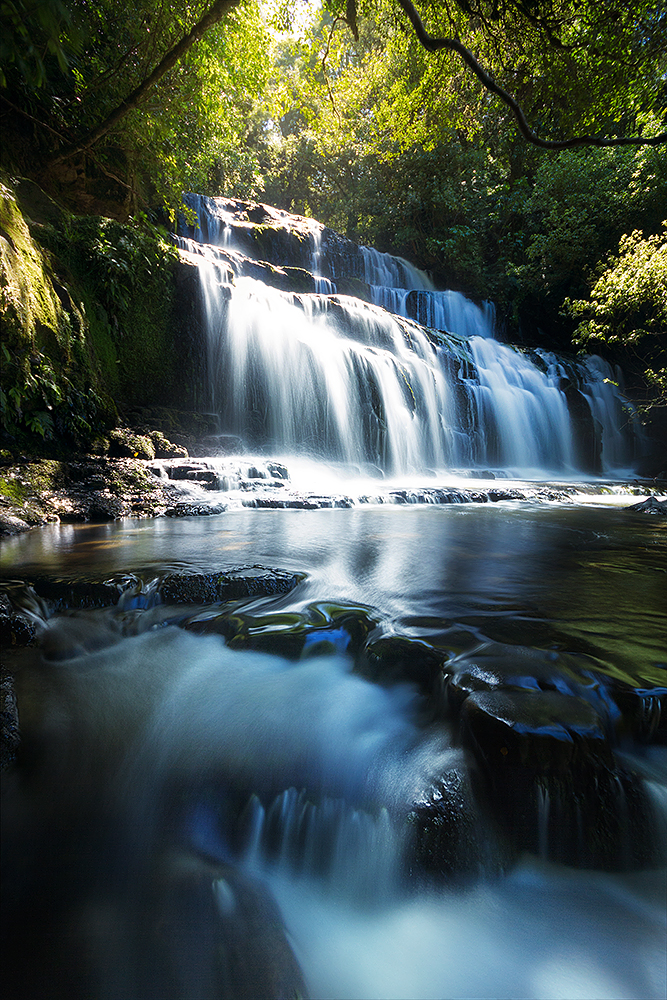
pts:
pixel 393 121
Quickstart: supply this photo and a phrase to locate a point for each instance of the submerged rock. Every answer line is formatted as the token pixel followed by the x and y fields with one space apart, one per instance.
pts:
pixel 397 659
pixel 320 629
pixel 211 588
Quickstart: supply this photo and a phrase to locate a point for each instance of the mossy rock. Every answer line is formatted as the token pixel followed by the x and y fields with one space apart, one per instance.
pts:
pixel 124 443
pixel 211 588
pixel 164 448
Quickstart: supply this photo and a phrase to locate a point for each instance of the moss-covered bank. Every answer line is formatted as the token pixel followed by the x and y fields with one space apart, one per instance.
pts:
pixel 97 318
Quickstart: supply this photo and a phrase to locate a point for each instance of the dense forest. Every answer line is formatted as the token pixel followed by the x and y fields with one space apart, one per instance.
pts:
pixel 517 150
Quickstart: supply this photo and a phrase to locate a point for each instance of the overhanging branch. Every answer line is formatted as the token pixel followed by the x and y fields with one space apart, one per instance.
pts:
pixel 434 44
pixel 215 13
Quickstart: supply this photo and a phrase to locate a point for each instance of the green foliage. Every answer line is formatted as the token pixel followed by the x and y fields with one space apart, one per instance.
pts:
pixel 284 102
pixel 119 263
pixel 125 276
pixel 116 282
pixel 36 399
pixel 627 304
pixel 628 301
pixel 37 39
pixel 581 202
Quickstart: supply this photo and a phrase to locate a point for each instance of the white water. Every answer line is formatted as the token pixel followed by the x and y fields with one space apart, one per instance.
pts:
pixel 345 381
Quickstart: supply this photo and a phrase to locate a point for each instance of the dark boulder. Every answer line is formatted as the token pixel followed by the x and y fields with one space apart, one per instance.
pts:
pixel 10 735
pixel 650 506
pixel 211 588
pixel 395 659
pixel 451 837
pixel 192 508
pixel 553 782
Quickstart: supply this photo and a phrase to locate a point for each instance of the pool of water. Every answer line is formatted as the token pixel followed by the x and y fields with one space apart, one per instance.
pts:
pixel 115 725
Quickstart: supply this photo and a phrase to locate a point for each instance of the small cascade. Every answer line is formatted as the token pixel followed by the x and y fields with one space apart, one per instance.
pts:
pixel 213 225
pixel 521 413
pixel 610 411
pixel 322 284
pixel 355 852
pixel 411 381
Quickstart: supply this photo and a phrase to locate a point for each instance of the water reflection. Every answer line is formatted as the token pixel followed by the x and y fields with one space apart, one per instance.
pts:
pixel 589 579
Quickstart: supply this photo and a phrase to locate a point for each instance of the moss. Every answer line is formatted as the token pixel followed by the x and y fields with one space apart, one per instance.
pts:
pixel 89 323
pixel 28 302
pixel 123 443
pixel 12 490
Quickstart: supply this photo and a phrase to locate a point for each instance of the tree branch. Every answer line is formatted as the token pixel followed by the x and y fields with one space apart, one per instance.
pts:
pixel 215 13
pixel 434 44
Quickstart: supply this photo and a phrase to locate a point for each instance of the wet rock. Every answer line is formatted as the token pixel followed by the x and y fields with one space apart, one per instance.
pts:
pixel 16 627
pixel 397 659
pixel 210 932
pixel 496 495
pixel 277 470
pixel 184 471
pixel 543 731
pixel 451 838
pixel 94 489
pixel 62 594
pixel 164 448
pixel 495 665
pixel 278 503
pixel 10 736
pixel 320 629
pixel 553 782
pixel 650 506
pixel 12 525
pixel 192 508
pixel 211 588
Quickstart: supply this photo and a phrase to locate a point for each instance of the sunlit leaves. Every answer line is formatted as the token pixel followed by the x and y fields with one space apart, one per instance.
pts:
pixel 628 301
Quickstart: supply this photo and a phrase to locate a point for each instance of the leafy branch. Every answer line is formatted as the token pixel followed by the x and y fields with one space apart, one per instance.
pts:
pixel 213 15
pixel 433 43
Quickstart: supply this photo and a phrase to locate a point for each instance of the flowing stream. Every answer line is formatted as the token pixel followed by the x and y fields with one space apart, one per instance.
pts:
pixel 188 763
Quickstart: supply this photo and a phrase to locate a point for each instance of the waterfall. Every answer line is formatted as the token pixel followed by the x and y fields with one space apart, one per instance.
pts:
pixel 411 380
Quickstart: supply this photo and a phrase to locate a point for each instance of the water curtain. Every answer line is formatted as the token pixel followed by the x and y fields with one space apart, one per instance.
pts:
pixel 356 358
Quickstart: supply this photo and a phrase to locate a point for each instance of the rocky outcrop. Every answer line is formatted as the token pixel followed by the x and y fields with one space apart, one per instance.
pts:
pixel 650 506
pixel 92 489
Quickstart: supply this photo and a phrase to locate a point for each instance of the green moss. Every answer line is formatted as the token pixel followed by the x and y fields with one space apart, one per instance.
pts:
pixel 88 313
pixel 125 274
pixel 28 302
pixel 13 491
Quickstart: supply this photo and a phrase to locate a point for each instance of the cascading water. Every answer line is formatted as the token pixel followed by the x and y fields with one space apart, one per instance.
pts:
pixel 411 381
